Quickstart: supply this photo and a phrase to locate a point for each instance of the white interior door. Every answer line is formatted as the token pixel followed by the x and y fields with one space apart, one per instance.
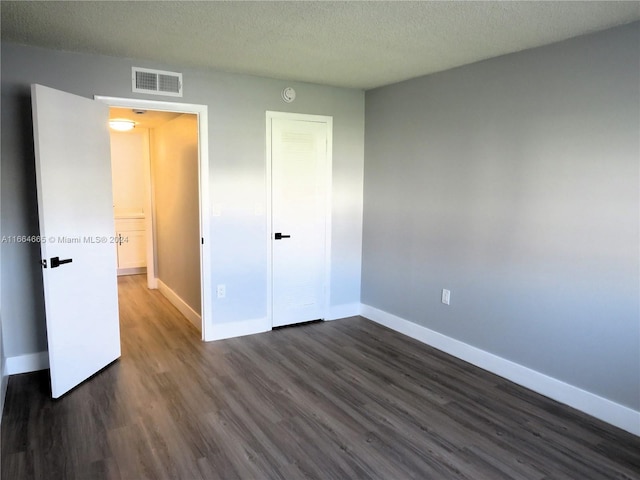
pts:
pixel 73 171
pixel 299 179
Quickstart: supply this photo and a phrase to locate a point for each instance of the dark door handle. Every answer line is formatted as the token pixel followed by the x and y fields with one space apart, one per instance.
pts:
pixel 279 236
pixel 56 262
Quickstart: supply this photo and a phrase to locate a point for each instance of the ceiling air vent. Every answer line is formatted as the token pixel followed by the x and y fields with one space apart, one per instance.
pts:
pixel 156 82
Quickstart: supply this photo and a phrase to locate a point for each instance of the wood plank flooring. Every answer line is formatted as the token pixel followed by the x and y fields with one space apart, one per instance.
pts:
pixel 333 400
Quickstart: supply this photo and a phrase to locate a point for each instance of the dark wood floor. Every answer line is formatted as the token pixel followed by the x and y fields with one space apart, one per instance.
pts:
pixel 335 400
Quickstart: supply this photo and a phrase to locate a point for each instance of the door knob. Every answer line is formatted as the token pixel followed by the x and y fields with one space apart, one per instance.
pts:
pixel 279 236
pixel 56 262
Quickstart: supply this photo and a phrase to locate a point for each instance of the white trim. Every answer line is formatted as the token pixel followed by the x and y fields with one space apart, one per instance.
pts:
pixel 206 292
pixel 183 307
pixel 3 388
pixel 269 221
pixel 149 217
pixel 337 312
pixel 239 329
pixel 587 402
pixel 31 362
pixel 328 120
pixel 328 213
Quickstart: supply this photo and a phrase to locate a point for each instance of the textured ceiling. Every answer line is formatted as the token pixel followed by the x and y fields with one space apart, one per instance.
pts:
pixel 362 44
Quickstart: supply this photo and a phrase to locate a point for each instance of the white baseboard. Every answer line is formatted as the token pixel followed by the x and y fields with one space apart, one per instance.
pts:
pixel 3 388
pixel 343 311
pixel 239 329
pixel 587 402
pixel 31 362
pixel 191 315
pixel 132 271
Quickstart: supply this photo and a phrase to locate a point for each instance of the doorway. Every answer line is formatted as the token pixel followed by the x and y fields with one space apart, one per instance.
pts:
pixel 155 191
pixel 299 212
pixel 196 305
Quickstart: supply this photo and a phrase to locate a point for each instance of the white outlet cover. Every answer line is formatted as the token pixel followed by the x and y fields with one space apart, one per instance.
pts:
pixel 446 296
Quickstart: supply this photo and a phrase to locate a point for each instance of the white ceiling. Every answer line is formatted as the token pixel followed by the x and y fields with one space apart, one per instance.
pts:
pixel 360 44
pixel 145 118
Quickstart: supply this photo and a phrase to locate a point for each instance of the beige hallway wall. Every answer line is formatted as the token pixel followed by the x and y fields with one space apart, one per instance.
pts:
pixel 174 163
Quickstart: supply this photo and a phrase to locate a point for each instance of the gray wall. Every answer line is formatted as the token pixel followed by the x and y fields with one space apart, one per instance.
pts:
pixel 174 170
pixel 237 129
pixel 513 182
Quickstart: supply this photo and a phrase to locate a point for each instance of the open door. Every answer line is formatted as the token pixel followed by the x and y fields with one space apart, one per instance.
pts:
pixel 73 172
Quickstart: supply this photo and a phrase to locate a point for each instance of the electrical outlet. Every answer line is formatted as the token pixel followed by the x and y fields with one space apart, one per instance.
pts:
pixel 221 291
pixel 446 296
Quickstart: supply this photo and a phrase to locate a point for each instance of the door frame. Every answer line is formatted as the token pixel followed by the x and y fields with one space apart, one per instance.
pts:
pixel 203 173
pixel 328 120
